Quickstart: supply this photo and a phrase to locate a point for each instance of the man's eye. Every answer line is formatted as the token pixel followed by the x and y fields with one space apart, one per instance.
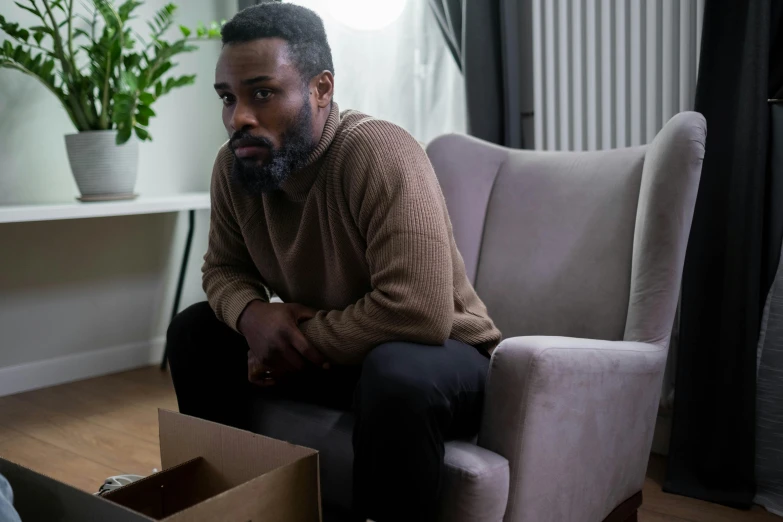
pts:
pixel 262 94
pixel 227 99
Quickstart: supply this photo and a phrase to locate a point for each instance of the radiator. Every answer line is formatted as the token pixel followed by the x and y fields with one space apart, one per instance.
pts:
pixel 610 73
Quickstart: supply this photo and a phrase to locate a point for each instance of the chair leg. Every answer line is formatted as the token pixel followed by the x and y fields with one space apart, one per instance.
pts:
pixel 627 511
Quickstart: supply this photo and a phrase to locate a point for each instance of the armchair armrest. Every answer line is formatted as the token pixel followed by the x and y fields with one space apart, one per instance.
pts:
pixel 575 419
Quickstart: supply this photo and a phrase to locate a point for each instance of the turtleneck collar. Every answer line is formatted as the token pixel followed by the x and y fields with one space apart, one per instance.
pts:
pixel 298 184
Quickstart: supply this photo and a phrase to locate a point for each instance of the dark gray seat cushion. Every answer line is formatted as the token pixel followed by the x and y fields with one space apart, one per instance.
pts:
pixel 476 482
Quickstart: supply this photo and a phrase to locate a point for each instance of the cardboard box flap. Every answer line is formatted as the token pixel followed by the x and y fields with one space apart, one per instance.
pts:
pixel 170 491
pixel 38 497
pixel 287 494
pixel 237 455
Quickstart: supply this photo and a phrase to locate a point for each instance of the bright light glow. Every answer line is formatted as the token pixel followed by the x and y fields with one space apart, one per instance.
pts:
pixel 366 15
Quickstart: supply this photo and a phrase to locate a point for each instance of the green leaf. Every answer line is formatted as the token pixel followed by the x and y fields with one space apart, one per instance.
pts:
pixel 123 134
pixel 131 60
pixel 35 64
pixel 142 133
pixel 143 115
pixel 123 108
pixel 130 80
pixel 37 36
pixel 201 30
pixel 126 9
pixel 185 31
pixel 117 116
pixel 24 34
pixel 41 29
pixel 158 89
pixel 160 71
pixel 163 19
pixel 182 81
pixel 116 51
pixel 28 9
pixel 146 111
pixel 146 98
pixel 47 68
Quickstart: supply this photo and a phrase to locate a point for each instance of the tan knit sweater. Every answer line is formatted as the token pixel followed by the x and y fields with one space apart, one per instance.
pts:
pixel 361 234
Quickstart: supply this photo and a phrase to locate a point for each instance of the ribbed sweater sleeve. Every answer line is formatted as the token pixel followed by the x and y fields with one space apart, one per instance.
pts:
pixel 229 276
pixel 397 204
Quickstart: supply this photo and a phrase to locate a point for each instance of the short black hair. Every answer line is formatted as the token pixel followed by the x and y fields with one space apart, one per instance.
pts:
pixel 302 28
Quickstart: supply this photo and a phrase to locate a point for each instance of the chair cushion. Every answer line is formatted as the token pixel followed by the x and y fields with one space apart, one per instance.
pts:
pixel 558 243
pixel 325 430
pixel 476 482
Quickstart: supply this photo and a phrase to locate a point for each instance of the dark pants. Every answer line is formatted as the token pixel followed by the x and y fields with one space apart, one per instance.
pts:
pixel 407 400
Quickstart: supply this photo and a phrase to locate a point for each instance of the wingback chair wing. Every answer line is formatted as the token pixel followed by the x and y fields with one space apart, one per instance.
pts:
pixel 578 257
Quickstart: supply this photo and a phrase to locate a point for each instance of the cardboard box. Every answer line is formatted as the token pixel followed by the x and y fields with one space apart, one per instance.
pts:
pixel 211 472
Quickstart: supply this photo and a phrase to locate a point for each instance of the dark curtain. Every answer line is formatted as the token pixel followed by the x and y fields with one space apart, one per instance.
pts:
pixel 727 268
pixel 483 36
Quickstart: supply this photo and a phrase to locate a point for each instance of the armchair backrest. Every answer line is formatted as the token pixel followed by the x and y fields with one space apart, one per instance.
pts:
pixel 575 244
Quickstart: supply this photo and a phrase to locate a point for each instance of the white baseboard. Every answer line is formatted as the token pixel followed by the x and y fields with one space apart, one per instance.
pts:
pixel 50 372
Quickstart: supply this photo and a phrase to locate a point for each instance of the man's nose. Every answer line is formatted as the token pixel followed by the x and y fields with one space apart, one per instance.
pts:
pixel 243 117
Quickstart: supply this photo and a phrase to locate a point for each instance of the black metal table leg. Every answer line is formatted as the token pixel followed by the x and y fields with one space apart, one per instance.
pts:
pixel 181 281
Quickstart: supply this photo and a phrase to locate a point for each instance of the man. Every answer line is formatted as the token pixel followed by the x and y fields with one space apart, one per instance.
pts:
pixel 341 216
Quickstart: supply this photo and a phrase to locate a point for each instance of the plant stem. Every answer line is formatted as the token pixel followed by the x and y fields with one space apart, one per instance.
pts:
pixel 104 121
pixel 79 118
pixel 92 27
pixel 34 46
pixel 93 107
pixel 70 30
pixel 58 41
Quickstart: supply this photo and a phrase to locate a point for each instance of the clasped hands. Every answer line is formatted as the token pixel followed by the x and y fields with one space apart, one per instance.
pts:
pixel 277 346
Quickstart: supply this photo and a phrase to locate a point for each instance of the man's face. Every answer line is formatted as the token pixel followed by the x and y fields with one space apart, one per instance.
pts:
pixel 266 111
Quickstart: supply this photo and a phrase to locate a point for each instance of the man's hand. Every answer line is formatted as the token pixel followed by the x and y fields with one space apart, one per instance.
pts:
pixel 257 373
pixel 272 332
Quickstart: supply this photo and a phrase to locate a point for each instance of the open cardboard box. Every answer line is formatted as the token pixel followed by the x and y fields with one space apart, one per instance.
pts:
pixel 210 472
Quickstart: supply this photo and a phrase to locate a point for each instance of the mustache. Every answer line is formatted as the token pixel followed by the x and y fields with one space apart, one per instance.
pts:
pixel 245 139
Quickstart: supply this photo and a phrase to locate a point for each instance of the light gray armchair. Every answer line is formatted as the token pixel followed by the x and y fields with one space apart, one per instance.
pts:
pixel 578 257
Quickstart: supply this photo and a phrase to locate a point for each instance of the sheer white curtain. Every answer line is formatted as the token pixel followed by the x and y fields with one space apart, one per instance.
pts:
pixel 402 72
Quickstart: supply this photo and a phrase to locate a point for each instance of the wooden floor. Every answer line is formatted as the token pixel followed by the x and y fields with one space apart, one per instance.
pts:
pixel 82 432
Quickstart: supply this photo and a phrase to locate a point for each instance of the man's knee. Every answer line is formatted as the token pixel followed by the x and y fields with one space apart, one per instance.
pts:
pixel 188 323
pixel 391 380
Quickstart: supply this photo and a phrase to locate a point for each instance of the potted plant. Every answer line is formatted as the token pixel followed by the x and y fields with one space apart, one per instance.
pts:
pixel 106 76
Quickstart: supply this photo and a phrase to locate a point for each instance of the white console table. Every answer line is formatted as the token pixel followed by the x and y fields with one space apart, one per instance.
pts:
pixel 143 205
pixel 77 210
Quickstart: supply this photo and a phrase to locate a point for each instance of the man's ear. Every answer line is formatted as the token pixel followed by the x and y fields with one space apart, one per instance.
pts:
pixel 322 86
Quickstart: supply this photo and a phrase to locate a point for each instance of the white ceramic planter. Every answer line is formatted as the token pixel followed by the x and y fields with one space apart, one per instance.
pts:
pixel 103 170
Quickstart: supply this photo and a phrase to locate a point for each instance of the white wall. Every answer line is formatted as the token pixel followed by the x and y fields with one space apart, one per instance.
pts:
pixel 403 72
pixel 100 287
